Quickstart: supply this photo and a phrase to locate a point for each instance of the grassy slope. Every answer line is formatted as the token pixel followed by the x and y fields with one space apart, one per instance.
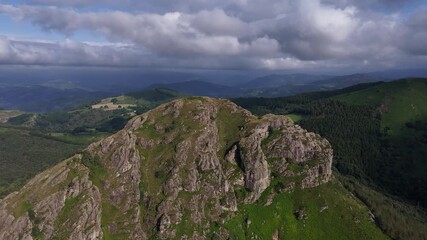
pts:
pixel 344 218
pixel 152 95
pixel 403 101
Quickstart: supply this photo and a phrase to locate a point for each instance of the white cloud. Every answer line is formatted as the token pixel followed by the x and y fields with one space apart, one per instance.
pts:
pixel 217 22
pixel 337 24
pixel 283 63
pixel 268 34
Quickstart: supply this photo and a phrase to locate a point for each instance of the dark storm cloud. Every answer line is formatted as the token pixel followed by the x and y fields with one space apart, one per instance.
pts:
pixel 369 4
pixel 230 33
pixel 413 35
pixel 72 53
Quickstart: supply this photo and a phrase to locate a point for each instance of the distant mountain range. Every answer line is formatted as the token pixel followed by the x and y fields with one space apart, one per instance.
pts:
pixel 36 90
pixel 271 85
pixel 275 80
pixel 347 81
pixel 202 88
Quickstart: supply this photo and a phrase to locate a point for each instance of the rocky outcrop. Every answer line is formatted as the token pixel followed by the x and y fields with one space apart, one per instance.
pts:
pixel 255 166
pixel 38 210
pixel 173 172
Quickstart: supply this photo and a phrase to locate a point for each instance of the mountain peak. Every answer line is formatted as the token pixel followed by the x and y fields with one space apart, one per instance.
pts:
pixel 171 172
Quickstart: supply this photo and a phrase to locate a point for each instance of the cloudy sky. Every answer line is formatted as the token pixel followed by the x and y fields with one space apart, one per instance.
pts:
pixel 341 35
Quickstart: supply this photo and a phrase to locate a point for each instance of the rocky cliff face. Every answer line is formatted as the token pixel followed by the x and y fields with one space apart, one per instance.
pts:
pixel 178 171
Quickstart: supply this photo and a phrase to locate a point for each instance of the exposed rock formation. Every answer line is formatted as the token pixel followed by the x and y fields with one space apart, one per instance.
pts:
pixel 171 173
pixel 59 202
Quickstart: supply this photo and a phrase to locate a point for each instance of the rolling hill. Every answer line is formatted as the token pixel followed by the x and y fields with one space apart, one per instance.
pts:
pixel 201 88
pixel 156 95
pixel 400 102
pixel 273 81
pixel 340 82
pixel 288 85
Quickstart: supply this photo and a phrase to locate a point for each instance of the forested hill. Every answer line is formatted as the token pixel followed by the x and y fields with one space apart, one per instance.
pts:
pixel 378 132
pixel 401 109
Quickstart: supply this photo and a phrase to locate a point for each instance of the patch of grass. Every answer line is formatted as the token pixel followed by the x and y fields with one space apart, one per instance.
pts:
pixel 295 117
pixel 152 174
pixel 149 131
pixel 3 130
pixel 96 170
pixel 229 126
pixel 22 208
pixel 69 213
pixel 70 203
pixel 36 233
pixel 186 226
pixel 111 215
pixel 295 167
pixel 272 134
pixel 257 220
pixel 195 98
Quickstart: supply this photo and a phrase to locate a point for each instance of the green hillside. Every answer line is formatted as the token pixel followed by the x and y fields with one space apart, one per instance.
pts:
pixel 403 109
pixel 399 102
pixel 156 95
pixel 379 135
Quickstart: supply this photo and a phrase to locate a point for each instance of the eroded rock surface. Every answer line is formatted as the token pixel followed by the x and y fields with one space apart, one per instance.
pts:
pixel 173 172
